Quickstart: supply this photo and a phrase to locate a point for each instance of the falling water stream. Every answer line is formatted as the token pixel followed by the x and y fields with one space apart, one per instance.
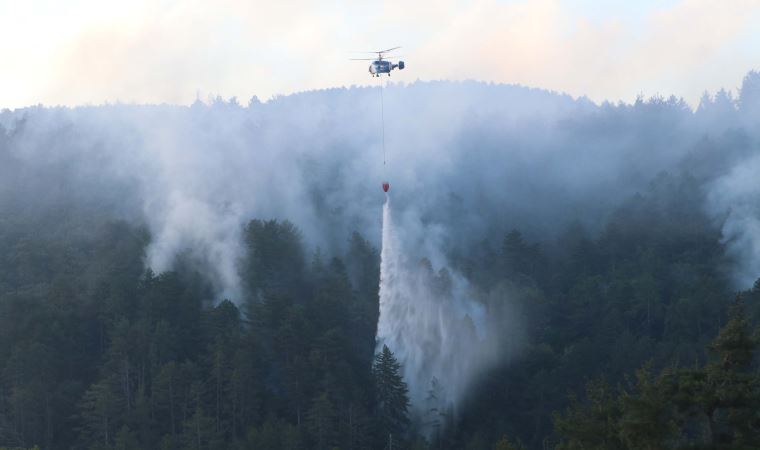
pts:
pixel 437 332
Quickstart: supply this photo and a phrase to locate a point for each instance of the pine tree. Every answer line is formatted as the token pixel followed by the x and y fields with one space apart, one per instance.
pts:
pixel 713 406
pixel 323 423
pixel 99 408
pixel 735 345
pixel 647 420
pixel 593 424
pixel 734 388
pixel 722 397
pixel 391 394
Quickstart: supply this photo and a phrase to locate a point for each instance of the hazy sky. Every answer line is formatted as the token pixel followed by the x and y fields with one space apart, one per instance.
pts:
pixel 87 51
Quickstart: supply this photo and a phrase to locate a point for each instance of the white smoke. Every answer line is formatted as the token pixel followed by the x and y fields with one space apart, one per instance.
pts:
pixel 735 199
pixel 733 194
pixel 467 160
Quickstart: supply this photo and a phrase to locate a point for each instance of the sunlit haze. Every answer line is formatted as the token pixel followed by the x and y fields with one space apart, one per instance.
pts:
pixel 92 52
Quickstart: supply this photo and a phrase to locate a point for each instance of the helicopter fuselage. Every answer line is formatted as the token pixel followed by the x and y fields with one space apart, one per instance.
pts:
pixel 380 66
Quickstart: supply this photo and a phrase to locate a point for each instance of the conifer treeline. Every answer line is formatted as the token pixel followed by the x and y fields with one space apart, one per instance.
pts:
pixel 98 353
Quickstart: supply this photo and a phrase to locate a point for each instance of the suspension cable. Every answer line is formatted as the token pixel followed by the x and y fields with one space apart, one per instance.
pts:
pixel 382 117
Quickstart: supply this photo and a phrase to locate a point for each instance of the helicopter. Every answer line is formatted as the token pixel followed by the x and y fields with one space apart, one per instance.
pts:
pixel 381 64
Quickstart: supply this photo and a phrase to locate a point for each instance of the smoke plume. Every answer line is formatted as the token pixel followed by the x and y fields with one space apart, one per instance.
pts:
pixel 467 162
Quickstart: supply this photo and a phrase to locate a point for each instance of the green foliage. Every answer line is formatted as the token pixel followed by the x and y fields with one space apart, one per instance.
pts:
pixel 391 393
pixel 97 351
pixel 712 406
pixel 506 444
pixel 647 418
pixel 591 425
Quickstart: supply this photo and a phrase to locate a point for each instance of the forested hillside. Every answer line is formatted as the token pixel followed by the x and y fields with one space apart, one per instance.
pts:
pixel 207 277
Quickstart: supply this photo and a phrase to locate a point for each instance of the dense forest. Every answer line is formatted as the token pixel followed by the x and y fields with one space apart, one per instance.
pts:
pixel 129 322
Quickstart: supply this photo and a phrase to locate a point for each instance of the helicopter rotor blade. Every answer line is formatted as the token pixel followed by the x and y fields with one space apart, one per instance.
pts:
pixel 379 53
pixel 361 59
